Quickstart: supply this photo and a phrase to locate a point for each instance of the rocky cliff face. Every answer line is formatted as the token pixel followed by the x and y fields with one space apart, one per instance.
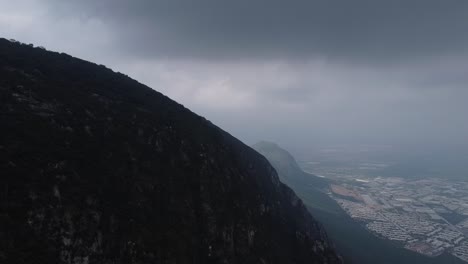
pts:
pixel 97 168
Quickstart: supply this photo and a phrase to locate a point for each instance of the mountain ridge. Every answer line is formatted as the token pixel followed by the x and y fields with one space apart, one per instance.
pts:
pixel 98 168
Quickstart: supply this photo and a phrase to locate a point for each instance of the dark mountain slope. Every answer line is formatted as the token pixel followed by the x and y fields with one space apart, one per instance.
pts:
pixel 97 168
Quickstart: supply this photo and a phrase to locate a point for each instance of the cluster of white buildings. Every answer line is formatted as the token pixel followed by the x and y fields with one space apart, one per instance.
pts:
pixel 461 251
pixel 388 230
pixel 427 216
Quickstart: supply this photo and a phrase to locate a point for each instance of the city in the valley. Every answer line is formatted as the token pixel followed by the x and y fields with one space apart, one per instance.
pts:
pixel 428 216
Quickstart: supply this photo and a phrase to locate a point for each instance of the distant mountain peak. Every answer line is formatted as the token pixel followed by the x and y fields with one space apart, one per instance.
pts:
pixel 286 165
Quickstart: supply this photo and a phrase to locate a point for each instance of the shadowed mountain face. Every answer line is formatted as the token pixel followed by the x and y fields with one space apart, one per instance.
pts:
pixel 97 168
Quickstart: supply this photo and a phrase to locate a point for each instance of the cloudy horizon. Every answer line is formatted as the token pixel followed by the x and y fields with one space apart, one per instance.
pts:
pixel 304 73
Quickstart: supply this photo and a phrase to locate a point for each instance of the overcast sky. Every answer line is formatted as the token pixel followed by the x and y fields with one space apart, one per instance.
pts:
pixel 302 73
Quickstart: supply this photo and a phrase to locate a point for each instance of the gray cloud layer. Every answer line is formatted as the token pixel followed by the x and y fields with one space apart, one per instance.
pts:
pixel 358 30
pixel 300 72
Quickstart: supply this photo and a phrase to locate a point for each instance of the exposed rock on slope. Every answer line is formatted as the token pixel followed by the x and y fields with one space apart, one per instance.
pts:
pixel 97 168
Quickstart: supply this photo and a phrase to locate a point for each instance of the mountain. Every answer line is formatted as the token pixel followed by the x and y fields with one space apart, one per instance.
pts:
pixel 98 168
pixel 356 244
pixel 310 188
pixel 287 167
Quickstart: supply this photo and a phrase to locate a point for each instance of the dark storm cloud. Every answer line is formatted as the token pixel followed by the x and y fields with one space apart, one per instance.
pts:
pixel 356 30
pixel 293 71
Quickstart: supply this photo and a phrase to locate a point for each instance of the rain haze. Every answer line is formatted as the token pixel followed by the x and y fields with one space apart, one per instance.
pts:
pixel 301 73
